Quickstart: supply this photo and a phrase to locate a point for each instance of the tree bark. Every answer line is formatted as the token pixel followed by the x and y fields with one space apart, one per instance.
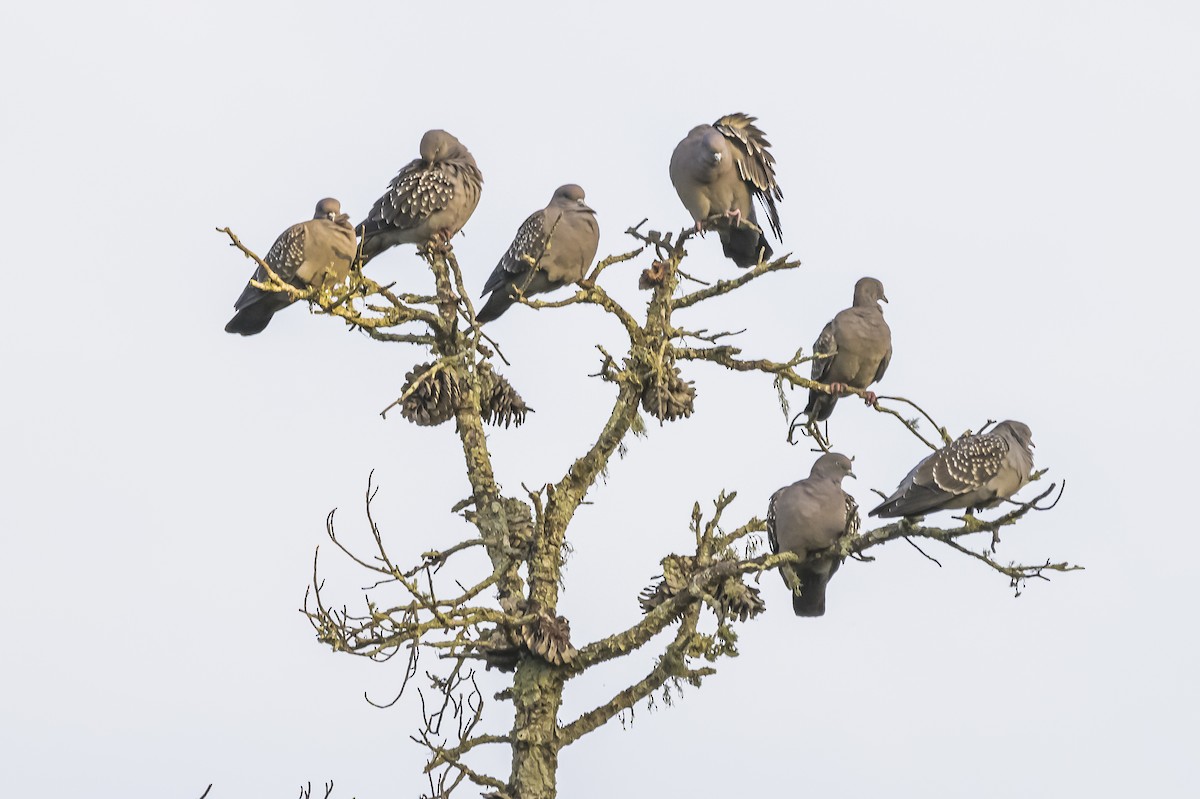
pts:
pixel 537 695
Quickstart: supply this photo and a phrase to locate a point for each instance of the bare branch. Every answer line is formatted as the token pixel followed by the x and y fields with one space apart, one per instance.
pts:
pixel 726 286
pixel 670 664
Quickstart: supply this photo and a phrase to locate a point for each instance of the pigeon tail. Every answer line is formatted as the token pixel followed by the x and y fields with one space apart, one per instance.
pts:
pixel 743 244
pixel 809 603
pixel 820 406
pixel 497 304
pixel 811 599
pixel 251 320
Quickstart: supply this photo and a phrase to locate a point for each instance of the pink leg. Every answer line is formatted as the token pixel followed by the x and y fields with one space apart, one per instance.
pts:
pixel 870 398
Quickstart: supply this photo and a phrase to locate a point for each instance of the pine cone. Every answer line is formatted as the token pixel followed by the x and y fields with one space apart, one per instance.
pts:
pixel 677 570
pixel 499 402
pixel 668 397
pixel 654 276
pixel 434 398
pixel 549 637
pixel 738 600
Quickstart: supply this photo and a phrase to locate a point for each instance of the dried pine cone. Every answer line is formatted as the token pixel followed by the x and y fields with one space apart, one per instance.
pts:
pixel 677 570
pixel 549 637
pixel 499 402
pixel 669 397
pixel 654 276
pixel 654 595
pixel 738 600
pixel 434 397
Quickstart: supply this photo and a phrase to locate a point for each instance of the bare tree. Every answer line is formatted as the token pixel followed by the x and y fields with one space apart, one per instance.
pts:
pixel 508 617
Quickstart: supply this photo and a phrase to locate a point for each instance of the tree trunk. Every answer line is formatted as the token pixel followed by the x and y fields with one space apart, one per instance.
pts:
pixel 537 694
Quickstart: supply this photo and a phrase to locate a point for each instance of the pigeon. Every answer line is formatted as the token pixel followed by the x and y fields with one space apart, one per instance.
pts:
pixel 717 169
pixel 318 252
pixel 858 346
pixel 806 517
pixel 978 471
pixel 553 247
pixel 429 200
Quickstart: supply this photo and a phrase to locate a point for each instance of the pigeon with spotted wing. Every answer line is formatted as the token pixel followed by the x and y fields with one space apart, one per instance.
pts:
pixel 553 247
pixel 720 169
pixel 977 471
pixel 806 517
pixel 857 344
pixel 318 252
pixel 429 200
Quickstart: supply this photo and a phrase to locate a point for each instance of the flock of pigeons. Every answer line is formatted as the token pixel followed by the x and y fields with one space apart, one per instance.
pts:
pixel 718 171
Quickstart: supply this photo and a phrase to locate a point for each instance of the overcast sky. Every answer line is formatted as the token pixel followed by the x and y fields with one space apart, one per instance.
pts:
pixel 1022 176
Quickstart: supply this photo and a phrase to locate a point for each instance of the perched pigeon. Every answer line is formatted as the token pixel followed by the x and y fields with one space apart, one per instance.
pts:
pixel 553 247
pixel 430 198
pixel 717 169
pixel 809 516
pixel 314 253
pixel 858 343
pixel 976 471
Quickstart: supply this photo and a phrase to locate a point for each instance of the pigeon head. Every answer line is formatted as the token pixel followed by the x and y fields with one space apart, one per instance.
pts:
pixel 328 208
pixel 714 145
pixel 1016 431
pixel 438 145
pixel 571 196
pixel 832 466
pixel 868 291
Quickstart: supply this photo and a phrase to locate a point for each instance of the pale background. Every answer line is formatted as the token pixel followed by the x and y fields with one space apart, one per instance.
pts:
pixel 1021 175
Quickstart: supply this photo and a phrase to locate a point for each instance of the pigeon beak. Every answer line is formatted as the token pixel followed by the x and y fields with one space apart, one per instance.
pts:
pixel 884 298
pixel 852 474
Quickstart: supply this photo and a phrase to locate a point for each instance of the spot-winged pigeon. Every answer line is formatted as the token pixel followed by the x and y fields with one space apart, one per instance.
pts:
pixel 553 247
pixel 858 346
pixel 809 516
pixel 431 197
pixel 973 472
pixel 318 252
pixel 718 169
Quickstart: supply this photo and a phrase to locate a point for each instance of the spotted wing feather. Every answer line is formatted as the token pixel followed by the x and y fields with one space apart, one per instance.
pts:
pixel 285 258
pixel 416 192
pixel 826 344
pixel 961 468
pixel 772 538
pixel 853 520
pixel 527 246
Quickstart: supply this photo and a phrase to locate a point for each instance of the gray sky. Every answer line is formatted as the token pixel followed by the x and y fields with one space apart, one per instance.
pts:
pixel 1022 177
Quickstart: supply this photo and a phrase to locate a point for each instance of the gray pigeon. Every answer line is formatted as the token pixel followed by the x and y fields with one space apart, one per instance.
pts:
pixel 717 169
pixel 553 247
pixel 976 471
pixel 808 516
pixel 859 346
pixel 430 198
pixel 318 252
